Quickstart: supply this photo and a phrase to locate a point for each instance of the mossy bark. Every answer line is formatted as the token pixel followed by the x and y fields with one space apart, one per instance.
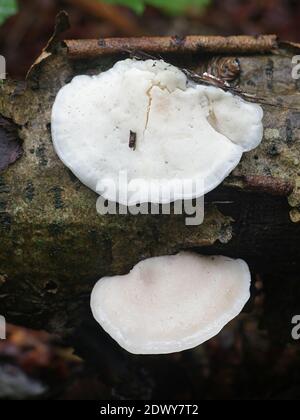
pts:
pixel 54 246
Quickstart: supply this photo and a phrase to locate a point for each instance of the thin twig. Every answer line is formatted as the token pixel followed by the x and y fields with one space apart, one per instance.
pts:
pixel 143 48
pixel 92 48
pixel 210 80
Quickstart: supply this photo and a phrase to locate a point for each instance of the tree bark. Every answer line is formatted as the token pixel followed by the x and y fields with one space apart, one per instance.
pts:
pixel 54 246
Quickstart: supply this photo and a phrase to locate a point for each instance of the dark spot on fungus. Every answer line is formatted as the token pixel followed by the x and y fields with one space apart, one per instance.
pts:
pixel 132 140
pixel 10 144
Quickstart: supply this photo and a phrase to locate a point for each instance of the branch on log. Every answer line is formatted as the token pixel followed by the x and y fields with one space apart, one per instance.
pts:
pixel 266 184
pixel 80 49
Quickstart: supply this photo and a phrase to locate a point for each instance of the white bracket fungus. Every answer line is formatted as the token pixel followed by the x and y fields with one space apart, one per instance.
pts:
pixel 148 119
pixel 171 303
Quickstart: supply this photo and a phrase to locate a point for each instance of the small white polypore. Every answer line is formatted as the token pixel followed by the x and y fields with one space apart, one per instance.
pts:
pixel 148 119
pixel 171 303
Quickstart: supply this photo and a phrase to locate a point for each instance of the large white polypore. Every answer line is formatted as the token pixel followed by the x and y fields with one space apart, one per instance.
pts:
pixel 171 303
pixel 183 131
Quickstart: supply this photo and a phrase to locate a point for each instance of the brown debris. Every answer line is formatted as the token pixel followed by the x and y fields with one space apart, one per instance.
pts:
pixel 34 350
pixel 62 24
pixel 80 49
pixel 225 68
pixel 293 46
pixel 10 145
pixel 37 356
pixel 268 185
pixel 132 140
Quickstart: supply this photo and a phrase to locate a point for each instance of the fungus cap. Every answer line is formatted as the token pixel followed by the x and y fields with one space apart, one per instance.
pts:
pixel 181 131
pixel 171 303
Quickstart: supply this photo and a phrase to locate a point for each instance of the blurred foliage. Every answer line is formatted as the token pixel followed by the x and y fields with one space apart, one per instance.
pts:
pixel 7 8
pixel 170 6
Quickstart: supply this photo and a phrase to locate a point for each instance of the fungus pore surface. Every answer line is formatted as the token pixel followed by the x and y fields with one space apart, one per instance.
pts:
pixel 171 303
pixel 181 131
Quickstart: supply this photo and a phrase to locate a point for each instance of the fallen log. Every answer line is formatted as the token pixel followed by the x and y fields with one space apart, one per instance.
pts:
pixel 54 246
